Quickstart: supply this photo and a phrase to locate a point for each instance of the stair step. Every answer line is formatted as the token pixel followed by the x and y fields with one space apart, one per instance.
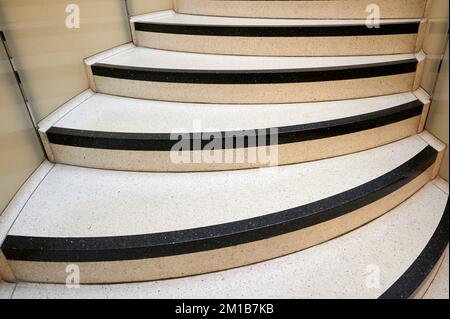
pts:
pixel 307 9
pixel 6 290
pixel 168 30
pixel 346 267
pixel 124 226
pixel 439 286
pixel 93 131
pixel 205 78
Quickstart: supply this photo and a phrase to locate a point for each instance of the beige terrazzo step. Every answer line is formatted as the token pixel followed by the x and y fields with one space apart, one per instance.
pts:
pixel 103 131
pixel 205 78
pixel 163 225
pixel 439 288
pixel 361 264
pixel 304 9
pixel 168 30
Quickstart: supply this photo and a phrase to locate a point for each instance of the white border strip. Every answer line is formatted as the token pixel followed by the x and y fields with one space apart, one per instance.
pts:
pixel 109 53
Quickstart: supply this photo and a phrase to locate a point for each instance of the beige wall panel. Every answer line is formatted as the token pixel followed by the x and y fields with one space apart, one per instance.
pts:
pixel 437 9
pixel 435 41
pixel 20 151
pixel 437 123
pixel 137 7
pixel 49 55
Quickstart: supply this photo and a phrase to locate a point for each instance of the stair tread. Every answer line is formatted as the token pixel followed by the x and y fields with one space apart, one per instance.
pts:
pixel 335 9
pixel 6 290
pixel 160 59
pixel 392 243
pixel 76 202
pixel 439 288
pixel 171 17
pixel 106 113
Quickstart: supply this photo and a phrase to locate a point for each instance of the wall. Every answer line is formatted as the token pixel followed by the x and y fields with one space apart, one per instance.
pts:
pixel 20 151
pixel 435 45
pixel 49 58
pixel 435 41
pixel 137 7
pixel 48 55
pixel 437 122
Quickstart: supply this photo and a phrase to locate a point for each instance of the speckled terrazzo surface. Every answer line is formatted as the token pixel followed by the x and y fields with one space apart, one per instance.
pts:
pixel 75 202
pixel 152 58
pixel 71 201
pixel 6 290
pixel 389 245
pixel 171 17
pixel 103 112
pixel 330 9
pixel 439 288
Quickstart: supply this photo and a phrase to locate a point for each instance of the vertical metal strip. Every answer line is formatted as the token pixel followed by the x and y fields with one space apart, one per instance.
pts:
pixel 19 82
pixel 127 10
pixel 20 86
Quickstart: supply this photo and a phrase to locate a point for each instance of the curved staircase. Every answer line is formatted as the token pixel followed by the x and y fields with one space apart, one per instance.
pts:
pixel 244 149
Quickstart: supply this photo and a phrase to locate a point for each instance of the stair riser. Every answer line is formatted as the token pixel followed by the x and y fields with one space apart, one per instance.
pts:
pixel 257 93
pixel 219 259
pixel 333 9
pixel 6 274
pixel 283 46
pixel 286 153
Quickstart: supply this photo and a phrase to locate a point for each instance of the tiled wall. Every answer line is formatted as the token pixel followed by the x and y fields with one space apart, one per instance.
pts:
pixel 20 151
pixel 144 6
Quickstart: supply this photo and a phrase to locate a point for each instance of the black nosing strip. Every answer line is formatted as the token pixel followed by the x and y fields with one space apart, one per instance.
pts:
pixel 173 243
pixel 261 76
pixel 417 273
pixel 233 139
pixel 279 31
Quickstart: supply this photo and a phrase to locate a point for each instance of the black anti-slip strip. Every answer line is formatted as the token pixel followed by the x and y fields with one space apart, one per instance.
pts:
pixel 233 139
pixel 260 76
pixel 219 236
pixel 417 273
pixel 279 31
